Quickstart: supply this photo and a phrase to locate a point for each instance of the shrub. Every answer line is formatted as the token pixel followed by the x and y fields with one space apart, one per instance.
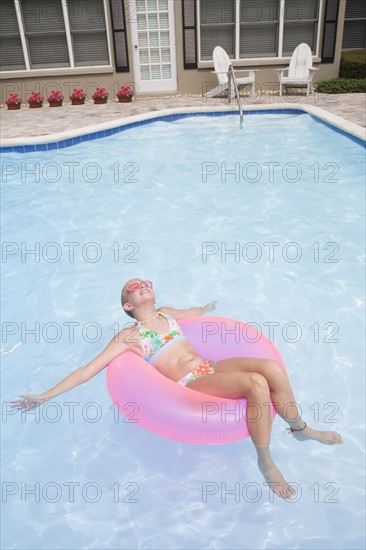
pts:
pixel 342 85
pixel 353 64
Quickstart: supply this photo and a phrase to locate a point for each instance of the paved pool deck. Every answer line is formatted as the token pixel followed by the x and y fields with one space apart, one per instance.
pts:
pixel 27 123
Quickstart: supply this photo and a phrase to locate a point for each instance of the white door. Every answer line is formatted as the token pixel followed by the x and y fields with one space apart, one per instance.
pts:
pixel 153 43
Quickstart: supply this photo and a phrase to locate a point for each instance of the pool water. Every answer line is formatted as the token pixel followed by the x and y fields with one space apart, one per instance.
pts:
pixel 268 221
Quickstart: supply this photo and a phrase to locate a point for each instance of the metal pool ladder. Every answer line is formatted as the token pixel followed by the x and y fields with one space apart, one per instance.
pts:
pixel 232 80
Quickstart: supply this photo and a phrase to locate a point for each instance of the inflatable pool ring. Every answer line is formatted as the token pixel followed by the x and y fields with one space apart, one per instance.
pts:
pixel 145 396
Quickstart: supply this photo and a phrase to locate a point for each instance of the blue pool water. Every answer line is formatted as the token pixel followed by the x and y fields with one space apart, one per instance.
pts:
pixel 269 221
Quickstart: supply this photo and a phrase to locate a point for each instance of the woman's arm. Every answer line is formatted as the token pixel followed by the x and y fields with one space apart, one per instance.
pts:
pixel 191 312
pixel 79 376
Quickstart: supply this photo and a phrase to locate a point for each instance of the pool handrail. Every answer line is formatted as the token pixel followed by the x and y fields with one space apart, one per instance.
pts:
pixel 232 80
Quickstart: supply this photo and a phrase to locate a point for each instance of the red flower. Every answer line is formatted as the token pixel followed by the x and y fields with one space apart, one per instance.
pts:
pixel 56 95
pixel 100 93
pixel 125 91
pixel 78 93
pixel 13 99
pixel 36 97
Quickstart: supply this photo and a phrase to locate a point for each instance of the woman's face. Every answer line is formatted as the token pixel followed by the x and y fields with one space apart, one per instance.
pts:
pixel 137 292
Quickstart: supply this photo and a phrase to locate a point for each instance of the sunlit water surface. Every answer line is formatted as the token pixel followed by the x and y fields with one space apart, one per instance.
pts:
pixel 169 202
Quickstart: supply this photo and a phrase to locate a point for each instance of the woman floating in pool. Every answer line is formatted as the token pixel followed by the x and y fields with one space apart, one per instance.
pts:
pixel 258 380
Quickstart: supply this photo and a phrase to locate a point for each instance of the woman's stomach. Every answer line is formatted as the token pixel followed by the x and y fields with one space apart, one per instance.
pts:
pixel 177 360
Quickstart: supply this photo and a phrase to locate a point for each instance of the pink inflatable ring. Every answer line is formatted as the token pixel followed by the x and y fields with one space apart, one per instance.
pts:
pixel 145 396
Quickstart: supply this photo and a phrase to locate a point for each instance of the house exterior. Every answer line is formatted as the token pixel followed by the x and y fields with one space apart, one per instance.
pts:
pixel 165 46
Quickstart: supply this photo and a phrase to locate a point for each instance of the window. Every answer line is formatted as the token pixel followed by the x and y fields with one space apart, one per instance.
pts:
pixel 44 29
pixel 40 34
pixel 300 25
pixel 11 51
pixel 88 32
pixel 259 28
pixel 249 29
pixel 217 26
pixel 354 34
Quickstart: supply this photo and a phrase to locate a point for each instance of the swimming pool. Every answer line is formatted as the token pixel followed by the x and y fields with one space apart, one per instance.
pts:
pixel 269 221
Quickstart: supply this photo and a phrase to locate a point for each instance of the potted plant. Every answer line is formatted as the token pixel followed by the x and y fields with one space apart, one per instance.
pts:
pixel 35 100
pixel 100 96
pixel 55 99
pixel 14 101
pixel 78 97
pixel 125 94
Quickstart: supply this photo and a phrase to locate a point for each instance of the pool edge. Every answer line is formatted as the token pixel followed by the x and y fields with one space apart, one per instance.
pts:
pixel 30 143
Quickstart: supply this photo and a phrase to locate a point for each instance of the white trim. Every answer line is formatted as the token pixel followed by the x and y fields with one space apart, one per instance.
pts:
pixel 255 61
pixel 237 29
pixel 107 27
pixel 334 120
pixel 281 24
pixel 321 14
pixel 68 34
pixel 57 71
pixel 198 32
pixel 22 35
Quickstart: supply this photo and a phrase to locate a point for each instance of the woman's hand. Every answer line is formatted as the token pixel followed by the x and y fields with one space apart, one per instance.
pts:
pixel 211 306
pixel 29 402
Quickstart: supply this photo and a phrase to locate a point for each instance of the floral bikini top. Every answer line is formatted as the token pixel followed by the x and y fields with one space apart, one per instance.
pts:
pixel 153 343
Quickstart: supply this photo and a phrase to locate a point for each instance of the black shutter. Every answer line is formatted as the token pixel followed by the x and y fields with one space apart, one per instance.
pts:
pixel 189 34
pixel 119 36
pixel 330 30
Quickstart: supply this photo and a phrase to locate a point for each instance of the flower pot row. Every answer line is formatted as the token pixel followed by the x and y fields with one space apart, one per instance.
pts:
pixel 78 97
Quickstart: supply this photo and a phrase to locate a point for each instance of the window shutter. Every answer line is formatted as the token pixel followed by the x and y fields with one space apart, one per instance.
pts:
pixel 119 36
pixel 11 51
pixel 189 33
pixel 330 30
pixel 88 33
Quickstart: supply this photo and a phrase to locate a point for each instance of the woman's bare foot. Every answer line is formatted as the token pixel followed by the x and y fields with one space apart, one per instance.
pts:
pixel 328 438
pixel 275 479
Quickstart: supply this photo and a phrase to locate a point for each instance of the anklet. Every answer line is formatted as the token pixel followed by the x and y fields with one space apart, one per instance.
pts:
pixel 292 430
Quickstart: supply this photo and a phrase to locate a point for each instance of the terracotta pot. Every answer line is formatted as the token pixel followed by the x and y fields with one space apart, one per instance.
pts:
pixel 100 100
pixel 78 101
pixel 55 103
pixel 13 106
pixel 35 105
pixel 125 98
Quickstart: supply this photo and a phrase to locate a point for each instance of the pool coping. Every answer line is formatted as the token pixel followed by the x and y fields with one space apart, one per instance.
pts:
pixel 17 144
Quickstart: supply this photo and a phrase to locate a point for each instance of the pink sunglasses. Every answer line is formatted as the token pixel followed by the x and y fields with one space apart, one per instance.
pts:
pixel 136 286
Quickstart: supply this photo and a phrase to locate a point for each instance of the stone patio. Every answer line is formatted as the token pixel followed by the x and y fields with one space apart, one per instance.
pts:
pixel 41 122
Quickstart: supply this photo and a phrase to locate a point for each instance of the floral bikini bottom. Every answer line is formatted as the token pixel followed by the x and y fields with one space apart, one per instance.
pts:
pixel 206 367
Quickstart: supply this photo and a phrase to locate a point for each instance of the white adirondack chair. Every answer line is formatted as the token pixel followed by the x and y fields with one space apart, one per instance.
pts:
pixel 222 63
pixel 300 72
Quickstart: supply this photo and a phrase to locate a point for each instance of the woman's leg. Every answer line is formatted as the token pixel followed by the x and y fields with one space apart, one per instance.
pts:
pixel 254 388
pixel 281 395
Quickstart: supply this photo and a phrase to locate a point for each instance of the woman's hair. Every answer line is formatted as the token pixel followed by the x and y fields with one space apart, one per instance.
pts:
pixel 123 301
